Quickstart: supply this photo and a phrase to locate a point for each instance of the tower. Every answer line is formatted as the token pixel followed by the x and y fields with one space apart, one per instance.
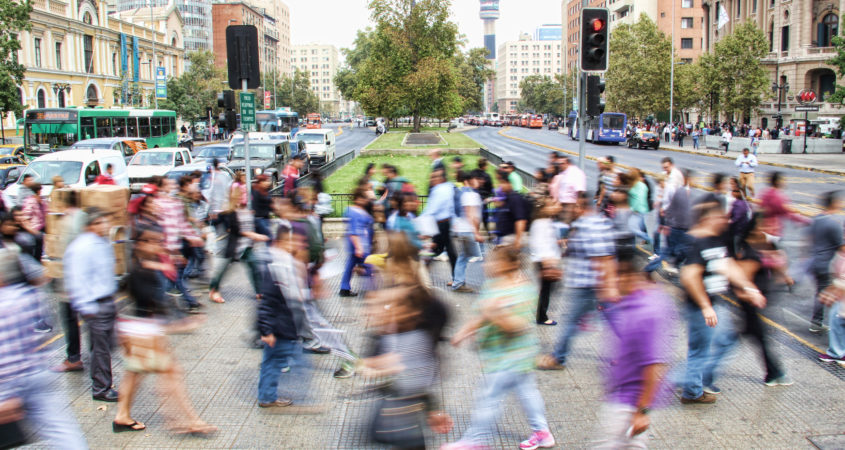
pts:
pixel 488 13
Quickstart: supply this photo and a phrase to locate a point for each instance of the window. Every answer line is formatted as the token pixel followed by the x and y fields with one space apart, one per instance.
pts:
pixel 88 45
pixel 686 22
pixel 686 4
pixel 156 124
pixel 36 43
pixel 738 9
pixel 91 172
pixel 103 127
pixel 753 6
pixel 131 127
pixel 772 37
pixel 59 55
pixel 87 124
pixel 784 38
pixel 827 29
pixel 686 60
pixel 42 100
pixel 119 126
pixel 179 159
pixel 686 43
pixel 61 98
pixel 144 127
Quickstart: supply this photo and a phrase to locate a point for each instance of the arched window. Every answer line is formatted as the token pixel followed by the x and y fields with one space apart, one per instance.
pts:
pixel 42 99
pixel 87 18
pixel 61 99
pixel 827 29
pixel 91 94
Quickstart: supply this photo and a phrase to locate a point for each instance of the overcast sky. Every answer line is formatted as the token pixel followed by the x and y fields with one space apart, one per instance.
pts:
pixel 336 21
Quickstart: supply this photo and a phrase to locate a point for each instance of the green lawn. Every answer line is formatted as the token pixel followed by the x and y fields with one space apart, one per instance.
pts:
pixel 393 140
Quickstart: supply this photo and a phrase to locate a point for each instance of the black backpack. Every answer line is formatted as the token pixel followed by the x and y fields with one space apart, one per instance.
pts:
pixel 650 195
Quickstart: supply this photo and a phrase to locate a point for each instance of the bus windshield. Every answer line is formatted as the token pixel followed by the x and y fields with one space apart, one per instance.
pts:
pixel 613 121
pixel 44 137
pixel 44 171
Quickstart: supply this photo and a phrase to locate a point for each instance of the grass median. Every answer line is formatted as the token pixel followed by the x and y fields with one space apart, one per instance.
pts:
pixel 393 141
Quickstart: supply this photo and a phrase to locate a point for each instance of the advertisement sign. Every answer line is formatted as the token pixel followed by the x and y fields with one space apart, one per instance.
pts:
pixel 161 82
pixel 266 99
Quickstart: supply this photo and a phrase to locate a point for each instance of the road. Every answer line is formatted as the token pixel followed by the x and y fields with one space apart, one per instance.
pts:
pixel 352 138
pixel 805 188
pixel 788 310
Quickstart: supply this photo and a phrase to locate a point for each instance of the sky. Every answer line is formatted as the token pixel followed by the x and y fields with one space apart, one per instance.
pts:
pixel 337 21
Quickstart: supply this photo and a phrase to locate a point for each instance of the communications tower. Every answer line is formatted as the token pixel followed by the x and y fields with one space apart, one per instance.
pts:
pixel 489 13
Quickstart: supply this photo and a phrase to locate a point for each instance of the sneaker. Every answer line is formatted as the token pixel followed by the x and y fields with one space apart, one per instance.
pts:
pixel 344 372
pixel 348 293
pixel 712 389
pixel 782 380
pixel 548 362
pixel 705 398
pixel 464 289
pixel 42 327
pixel 67 366
pixel 442 257
pixel 319 350
pixel 194 309
pixel 174 293
pixel 539 439
pixel 476 259
pixel 828 358
pixel 279 403
pixel 286 369
pixel 818 328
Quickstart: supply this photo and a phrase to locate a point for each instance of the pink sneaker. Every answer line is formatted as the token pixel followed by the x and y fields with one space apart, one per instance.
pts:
pixel 539 439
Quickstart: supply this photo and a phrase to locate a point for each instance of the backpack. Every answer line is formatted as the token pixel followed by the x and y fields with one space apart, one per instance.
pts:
pixel 458 192
pixel 650 195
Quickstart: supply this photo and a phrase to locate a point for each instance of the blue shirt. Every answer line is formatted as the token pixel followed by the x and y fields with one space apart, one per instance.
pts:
pixel 19 354
pixel 441 202
pixel 591 237
pixel 89 272
pixel 360 224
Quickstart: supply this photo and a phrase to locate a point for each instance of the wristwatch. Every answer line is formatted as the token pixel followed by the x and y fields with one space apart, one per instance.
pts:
pixel 644 410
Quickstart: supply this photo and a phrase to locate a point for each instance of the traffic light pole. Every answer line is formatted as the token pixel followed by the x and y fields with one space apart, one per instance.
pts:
pixel 246 155
pixel 582 110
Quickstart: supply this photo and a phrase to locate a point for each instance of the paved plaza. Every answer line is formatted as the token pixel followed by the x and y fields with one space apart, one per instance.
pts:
pixel 222 374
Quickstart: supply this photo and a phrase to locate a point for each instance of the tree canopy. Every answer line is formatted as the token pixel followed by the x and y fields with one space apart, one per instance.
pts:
pixel 838 62
pixel 194 90
pixel 299 97
pixel 14 17
pixel 544 95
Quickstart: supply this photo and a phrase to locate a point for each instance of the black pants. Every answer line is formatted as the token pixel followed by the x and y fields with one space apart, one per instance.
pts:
pixel 443 241
pixel 823 281
pixel 755 328
pixel 70 321
pixel 546 287
pixel 101 335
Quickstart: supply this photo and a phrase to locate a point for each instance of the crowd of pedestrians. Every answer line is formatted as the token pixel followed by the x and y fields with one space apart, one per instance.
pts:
pixel 545 242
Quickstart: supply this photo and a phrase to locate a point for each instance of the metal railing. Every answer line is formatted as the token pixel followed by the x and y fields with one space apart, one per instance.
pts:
pixel 342 201
pixel 325 170
pixel 494 159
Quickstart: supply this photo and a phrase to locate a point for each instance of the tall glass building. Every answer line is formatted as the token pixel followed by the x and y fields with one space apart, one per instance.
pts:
pixel 196 16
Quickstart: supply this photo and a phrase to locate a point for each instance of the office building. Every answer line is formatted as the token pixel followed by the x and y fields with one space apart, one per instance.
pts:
pixel 321 63
pixel 520 59
pixel 196 17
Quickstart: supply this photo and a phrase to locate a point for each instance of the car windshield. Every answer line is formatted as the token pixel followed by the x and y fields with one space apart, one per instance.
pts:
pixel 44 171
pixel 96 145
pixel 260 151
pixel 311 138
pixel 213 152
pixel 147 158
pixel 647 135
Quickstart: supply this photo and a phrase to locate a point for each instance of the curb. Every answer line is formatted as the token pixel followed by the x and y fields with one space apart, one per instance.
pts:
pixel 775 164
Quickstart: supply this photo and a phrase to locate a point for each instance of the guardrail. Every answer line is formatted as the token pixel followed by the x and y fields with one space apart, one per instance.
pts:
pixel 342 201
pixel 527 178
pixel 325 170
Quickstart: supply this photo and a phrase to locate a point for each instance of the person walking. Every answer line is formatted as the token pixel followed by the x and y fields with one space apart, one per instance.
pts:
pixel 774 203
pixel 358 239
pixel 747 165
pixel 676 216
pixel 826 238
pixel 485 190
pixel 567 186
pixel 465 228
pixel 441 207
pixel 834 297
pixel 696 135
pixel 546 255
pixel 511 214
pixel 90 283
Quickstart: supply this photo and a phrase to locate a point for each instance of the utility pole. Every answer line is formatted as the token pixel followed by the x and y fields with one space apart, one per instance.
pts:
pixel 672 69
pixel 154 68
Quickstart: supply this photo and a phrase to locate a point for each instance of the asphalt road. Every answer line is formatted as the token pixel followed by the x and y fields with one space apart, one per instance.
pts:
pixel 351 138
pixel 789 309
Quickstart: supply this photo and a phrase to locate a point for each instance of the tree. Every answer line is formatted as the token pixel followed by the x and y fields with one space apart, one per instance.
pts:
pixel 838 61
pixel 638 72
pixel 14 17
pixel 544 95
pixel 299 96
pixel 196 89
pixel 734 72
pixel 473 73
pixel 690 90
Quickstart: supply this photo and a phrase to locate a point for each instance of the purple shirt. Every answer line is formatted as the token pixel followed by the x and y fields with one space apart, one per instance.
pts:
pixel 641 324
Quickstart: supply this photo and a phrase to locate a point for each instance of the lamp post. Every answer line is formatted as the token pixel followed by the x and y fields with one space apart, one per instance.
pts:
pixel 779 88
pixel 60 87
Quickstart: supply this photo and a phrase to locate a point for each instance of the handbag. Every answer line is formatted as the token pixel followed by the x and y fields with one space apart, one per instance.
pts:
pixel 399 421
pixel 145 345
pixel 12 435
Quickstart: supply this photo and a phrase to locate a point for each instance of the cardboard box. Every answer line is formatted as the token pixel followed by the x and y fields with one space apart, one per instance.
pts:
pixel 55 223
pixel 61 199
pixel 54 246
pixel 109 198
pixel 53 268
pixel 120 266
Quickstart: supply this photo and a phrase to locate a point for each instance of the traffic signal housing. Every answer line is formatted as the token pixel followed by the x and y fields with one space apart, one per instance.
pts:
pixel 594 38
pixel 228 118
pixel 595 89
pixel 226 100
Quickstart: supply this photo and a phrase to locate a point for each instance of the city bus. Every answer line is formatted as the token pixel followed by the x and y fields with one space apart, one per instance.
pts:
pixel 524 120
pixel 607 127
pixel 282 119
pixel 535 121
pixel 49 129
pixel 313 121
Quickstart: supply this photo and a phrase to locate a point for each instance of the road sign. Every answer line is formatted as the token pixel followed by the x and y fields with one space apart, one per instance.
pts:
pixel 161 82
pixel 247 109
pixel 806 108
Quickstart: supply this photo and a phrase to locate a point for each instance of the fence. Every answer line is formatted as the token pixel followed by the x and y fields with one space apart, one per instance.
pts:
pixel 325 170
pixel 494 159
pixel 342 201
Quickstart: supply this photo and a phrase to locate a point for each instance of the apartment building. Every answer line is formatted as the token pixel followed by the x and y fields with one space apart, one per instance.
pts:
pixel 520 59
pixel 321 63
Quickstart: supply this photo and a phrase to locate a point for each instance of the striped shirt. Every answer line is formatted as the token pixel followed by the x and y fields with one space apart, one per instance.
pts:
pixel 19 355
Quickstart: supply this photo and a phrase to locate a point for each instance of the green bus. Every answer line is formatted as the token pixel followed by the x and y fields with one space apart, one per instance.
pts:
pixel 50 129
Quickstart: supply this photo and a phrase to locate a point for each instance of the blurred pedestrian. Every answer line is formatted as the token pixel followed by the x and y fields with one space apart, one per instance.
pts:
pixel 834 296
pixel 546 255
pixel 774 204
pixel 512 213
pixel 358 239
pixel 507 342
pixel 465 228
pixel 676 212
pixel 826 238
pixel 441 207
pixel 261 204
pixel 485 190
pixel 747 165
pixel 106 178
pixel 90 283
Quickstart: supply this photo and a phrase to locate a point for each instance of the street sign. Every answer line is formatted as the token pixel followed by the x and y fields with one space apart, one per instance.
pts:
pixel 247 110
pixel 266 99
pixel 161 82
pixel 806 108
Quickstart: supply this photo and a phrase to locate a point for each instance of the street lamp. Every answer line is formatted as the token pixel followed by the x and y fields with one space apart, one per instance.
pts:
pixel 780 88
pixel 60 87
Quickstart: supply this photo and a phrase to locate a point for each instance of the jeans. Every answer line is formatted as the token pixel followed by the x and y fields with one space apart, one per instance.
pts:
pixel 698 349
pixel 836 335
pixel 467 248
pixel 675 248
pixel 179 284
pixel 252 263
pixel 262 226
pixel 726 338
pixel 44 407
pixel 636 223
pixel 489 405
pixel 351 262
pixel 695 142
pixel 443 242
pixel 101 335
pixel 546 288
pixel 70 320
pixel 584 301
pixel 196 258
pixel 823 281
pixel 284 353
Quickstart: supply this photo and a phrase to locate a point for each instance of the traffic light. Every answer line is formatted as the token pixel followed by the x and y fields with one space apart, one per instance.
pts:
pixel 595 88
pixel 226 100
pixel 227 119
pixel 594 37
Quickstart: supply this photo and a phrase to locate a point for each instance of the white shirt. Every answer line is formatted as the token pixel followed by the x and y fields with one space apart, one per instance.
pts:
pixel 674 181
pixel 727 136
pixel 746 164
pixel 469 199
pixel 543 239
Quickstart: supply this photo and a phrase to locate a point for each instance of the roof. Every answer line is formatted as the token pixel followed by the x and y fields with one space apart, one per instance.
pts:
pixel 105 140
pixel 143 14
pixel 79 155
pixel 164 149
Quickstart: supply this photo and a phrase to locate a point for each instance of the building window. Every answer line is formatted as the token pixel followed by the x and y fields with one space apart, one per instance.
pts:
pixel 827 29
pixel 686 43
pixel 686 60
pixel 772 37
pixel 59 55
pixel 88 46
pixel 753 6
pixel 784 38
pixel 62 99
pixel 686 22
pixel 738 9
pixel 36 43
pixel 686 3
pixel 42 100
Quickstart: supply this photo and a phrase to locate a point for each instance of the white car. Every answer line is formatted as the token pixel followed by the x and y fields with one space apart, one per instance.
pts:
pixel 158 161
pixel 78 168
pixel 320 144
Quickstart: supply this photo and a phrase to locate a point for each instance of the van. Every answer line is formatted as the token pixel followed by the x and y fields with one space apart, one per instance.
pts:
pixel 320 145
pixel 78 168
pixel 156 161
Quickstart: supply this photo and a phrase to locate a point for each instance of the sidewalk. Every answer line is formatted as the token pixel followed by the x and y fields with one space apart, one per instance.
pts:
pixel 831 163
pixel 221 373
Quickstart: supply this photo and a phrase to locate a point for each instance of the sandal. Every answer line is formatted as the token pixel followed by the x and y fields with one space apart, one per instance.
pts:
pixel 120 427
pixel 216 297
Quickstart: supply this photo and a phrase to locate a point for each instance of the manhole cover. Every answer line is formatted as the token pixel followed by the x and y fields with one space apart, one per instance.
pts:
pixel 422 139
pixel 828 441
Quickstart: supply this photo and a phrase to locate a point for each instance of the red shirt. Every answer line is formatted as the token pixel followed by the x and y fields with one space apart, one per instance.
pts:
pixel 104 179
pixel 291 174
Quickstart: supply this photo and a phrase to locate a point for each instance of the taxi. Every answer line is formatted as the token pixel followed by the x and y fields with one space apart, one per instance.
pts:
pixel 9 173
pixel 12 154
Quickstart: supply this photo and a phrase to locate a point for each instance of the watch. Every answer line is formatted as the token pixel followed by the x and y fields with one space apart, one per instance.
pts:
pixel 644 410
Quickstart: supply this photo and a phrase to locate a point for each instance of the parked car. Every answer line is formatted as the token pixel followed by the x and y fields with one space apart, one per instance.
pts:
pixel 126 145
pixel 553 125
pixel 9 173
pixel 12 154
pixel 211 152
pixel 158 161
pixel 78 168
pixel 265 157
pixel 644 139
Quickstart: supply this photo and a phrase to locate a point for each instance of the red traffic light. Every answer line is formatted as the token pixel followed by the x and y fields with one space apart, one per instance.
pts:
pixel 597 24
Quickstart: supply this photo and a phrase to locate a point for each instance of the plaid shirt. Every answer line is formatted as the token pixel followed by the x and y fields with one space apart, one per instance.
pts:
pixel 592 236
pixel 19 356
pixel 171 215
pixel 35 212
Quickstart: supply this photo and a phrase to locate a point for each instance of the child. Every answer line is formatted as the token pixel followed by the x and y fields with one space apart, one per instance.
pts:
pixel 508 345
